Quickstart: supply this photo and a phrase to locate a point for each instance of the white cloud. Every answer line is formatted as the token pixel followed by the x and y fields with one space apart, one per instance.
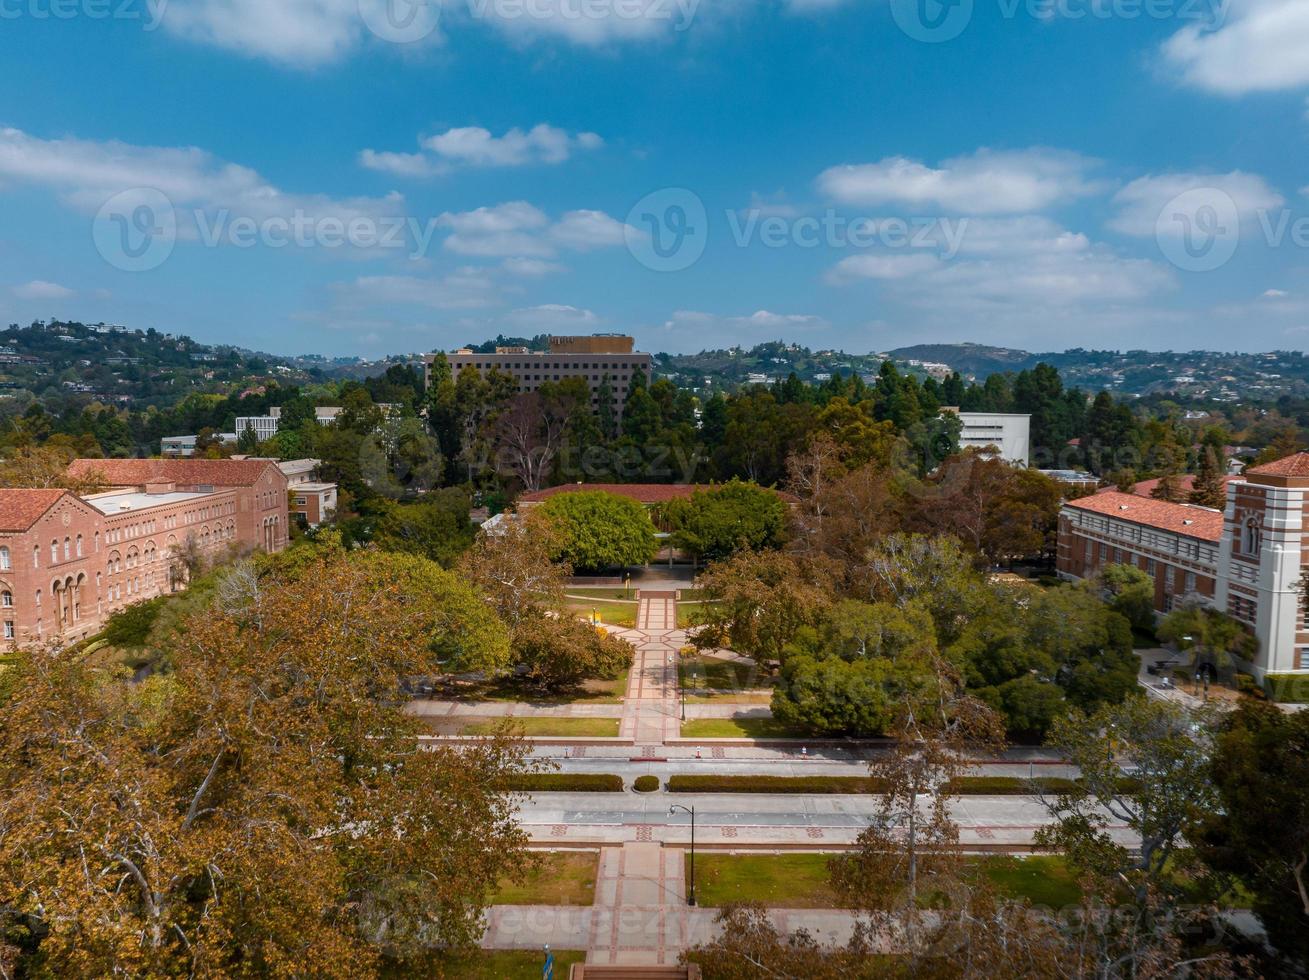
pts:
pixel 40 289
pixel 413 165
pixel 985 182
pixel 477 147
pixel 1275 294
pixel 467 288
pixel 774 207
pixel 518 229
pixel 898 266
pixel 86 173
pixel 591 23
pixel 1260 48
pixel 531 268
pixel 583 230
pixel 297 33
pixel 1141 202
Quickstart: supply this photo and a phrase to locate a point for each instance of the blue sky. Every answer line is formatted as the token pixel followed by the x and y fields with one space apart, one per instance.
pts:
pixel 369 176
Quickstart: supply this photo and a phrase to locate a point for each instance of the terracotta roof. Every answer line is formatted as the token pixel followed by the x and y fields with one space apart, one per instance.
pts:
pixel 188 472
pixel 1296 465
pixel 642 493
pixel 1194 522
pixel 20 509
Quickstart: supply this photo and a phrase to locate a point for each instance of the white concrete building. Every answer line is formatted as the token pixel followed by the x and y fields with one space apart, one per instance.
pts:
pixel 1011 435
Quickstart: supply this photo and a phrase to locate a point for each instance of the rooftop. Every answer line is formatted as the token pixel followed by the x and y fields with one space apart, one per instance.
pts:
pixel 110 504
pixel 1296 465
pixel 20 509
pixel 187 472
pixel 1195 522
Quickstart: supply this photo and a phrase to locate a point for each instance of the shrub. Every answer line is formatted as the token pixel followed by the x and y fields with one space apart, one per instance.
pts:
pixel 566 782
pixel 646 784
pixel 131 627
pixel 815 785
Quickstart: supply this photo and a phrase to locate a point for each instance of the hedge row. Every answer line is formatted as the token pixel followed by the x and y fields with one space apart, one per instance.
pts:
pixel 819 785
pixel 566 782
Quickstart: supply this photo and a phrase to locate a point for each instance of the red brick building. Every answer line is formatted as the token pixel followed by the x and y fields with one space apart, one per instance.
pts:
pixel 68 562
pixel 1248 560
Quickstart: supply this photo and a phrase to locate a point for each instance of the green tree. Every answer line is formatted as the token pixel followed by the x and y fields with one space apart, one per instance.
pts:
pixel 560 651
pixel 435 527
pixel 1209 489
pixel 1259 831
pixel 247 442
pixel 1215 637
pixel 600 530
pixel 1131 594
pixel 716 523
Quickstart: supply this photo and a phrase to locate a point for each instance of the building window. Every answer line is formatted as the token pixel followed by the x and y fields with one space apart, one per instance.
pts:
pixel 1190 581
pixel 1149 566
pixel 38 598
pixel 7 599
pixel 9 629
pixel 68 549
pixel 54 552
pixel 36 556
pixel 4 560
pixel 79 546
pixel 1252 541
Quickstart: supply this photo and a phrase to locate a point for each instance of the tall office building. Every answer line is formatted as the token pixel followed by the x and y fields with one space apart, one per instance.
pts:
pixel 596 359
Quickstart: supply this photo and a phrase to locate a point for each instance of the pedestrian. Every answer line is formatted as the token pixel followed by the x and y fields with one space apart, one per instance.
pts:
pixel 804 751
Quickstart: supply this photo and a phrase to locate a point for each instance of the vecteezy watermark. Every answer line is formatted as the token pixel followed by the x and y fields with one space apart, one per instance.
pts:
pixel 667 231
pixel 401 21
pixel 1200 229
pixel 148 12
pixel 831 229
pixel 136 230
pixel 936 21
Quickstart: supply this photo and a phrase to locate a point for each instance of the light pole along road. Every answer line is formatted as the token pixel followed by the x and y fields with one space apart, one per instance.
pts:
pixel 690 891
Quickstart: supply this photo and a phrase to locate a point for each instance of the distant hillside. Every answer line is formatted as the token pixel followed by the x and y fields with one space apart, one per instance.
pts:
pixel 976 359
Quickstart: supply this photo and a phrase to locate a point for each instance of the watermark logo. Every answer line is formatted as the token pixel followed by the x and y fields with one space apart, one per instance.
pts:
pixel 1199 229
pixel 667 231
pixel 932 21
pixel 136 230
pixel 401 21
pixel 148 13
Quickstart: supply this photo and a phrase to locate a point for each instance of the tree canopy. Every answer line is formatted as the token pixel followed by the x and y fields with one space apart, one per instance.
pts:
pixel 597 530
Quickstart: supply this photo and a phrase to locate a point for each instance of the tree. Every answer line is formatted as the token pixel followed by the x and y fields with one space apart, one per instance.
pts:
pixel 46 467
pixel 247 442
pixel 714 524
pixel 600 530
pixel 850 674
pixel 513 570
pixel 261 810
pixel 1167 753
pixel 435 527
pixel 1259 831
pixel 1215 637
pixel 559 651
pixel 756 602
pixel 1209 488
pixel 1131 594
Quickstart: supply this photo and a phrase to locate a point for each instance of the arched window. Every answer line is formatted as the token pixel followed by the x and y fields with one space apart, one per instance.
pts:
pixel 7 599
pixel 79 546
pixel 54 552
pixel 97 540
pixel 4 559
pixel 1252 537
pixel 68 549
pixel 36 556
pixel 38 598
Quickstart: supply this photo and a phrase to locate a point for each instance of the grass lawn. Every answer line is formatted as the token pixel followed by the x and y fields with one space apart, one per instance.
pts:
pixel 614 613
pixel 736 728
pixel 801 880
pixel 688 614
pixel 558 727
pixel 1043 880
pixel 507 964
pixel 622 595
pixel 793 881
pixel 562 878
pixel 696 673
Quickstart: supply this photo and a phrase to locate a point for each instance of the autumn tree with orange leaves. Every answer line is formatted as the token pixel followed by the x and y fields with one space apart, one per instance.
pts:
pixel 265 809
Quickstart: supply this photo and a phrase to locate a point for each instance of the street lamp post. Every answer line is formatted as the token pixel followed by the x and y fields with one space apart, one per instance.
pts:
pixel 690 894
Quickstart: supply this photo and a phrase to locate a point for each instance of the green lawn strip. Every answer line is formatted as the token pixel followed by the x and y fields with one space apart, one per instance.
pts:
pixel 1044 880
pixel 793 881
pixel 567 782
pixel 699 673
pixel 503 964
pixel 561 878
pixel 814 785
pixel 610 613
pixel 737 728
pixel 802 881
pixel 559 727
